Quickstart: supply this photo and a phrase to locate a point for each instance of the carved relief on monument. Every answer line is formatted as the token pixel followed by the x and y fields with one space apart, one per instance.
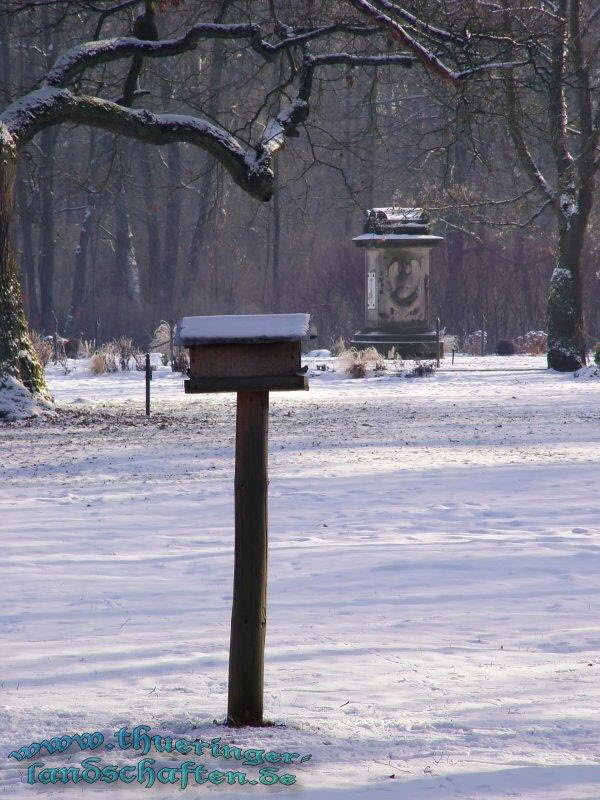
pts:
pixel 403 289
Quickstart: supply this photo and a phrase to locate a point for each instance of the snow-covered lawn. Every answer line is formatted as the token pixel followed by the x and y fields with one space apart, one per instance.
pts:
pixel 434 614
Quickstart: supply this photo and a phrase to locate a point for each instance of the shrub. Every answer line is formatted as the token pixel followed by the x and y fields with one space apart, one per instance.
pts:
pixel 109 351
pixel 597 353
pixel 421 370
pixel 116 355
pixel 533 343
pixel 373 357
pixel 451 343
pixel 42 347
pixel 124 352
pixel 505 348
pixel 181 362
pixel 71 348
pixel 473 343
pixel 63 360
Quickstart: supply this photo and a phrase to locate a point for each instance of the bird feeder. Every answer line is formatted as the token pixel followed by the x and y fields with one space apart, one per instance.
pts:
pixel 251 355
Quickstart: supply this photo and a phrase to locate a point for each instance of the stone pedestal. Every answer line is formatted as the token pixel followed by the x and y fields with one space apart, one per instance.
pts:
pixel 397 242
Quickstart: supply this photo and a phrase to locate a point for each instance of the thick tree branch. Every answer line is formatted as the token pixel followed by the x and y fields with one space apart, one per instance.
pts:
pixel 425 56
pixel 431 31
pixel 289 118
pixel 92 54
pixel 516 134
pixel 45 107
pixel 302 37
pixel 107 12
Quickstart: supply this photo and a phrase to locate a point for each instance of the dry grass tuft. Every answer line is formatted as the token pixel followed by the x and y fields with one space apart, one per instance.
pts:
pixel 358 362
pixel 42 347
pixel 98 365
pixel 338 346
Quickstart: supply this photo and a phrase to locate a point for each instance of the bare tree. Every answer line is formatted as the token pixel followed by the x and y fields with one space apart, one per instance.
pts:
pixel 564 135
pixel 549 111
pixel 58 100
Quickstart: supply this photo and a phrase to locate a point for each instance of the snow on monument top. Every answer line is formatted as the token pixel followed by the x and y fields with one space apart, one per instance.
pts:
pixel 241 328
pixel 394 219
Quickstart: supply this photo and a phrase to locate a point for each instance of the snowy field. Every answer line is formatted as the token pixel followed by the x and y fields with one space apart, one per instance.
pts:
pixel 434 612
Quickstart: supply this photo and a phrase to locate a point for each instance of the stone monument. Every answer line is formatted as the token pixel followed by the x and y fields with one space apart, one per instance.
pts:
pixel 397 242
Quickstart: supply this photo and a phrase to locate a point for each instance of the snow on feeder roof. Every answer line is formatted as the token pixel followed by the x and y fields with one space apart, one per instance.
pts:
pixel 232 328
pixel 244 352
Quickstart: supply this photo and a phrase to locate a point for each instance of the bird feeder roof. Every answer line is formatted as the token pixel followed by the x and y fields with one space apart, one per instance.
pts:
pixel 240 328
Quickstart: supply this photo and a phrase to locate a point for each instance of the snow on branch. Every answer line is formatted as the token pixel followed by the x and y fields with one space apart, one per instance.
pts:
pixel 365 61
pixel 301 37
pixel 50 106
pixel 431 31
pixel 288 119
pixel 91 54
pixel 425 56
pixel 251 168
pixel 488 66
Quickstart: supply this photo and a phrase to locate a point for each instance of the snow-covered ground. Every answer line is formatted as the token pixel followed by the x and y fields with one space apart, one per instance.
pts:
pixel 433 624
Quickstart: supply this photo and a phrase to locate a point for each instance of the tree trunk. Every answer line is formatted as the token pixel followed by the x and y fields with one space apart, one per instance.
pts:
pixel 73 323
pixel 25 199
pixel 153 247
pixel 567 350
pixel 19 363
pixel 276 250
pixel 126 266
pixel 125 260
pixel 47 231
pixel 169 269
pixel 207 184
pixel 78 289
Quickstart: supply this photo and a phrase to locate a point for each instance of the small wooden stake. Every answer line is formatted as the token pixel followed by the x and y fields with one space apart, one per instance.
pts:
pixel 437 339
pixel 249 613
pixel 148 379
pixel 482 334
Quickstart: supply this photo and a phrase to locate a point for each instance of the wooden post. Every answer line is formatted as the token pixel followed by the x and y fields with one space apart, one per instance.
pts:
pixel 249 613
pixel 437 339
pixel 171 325
pixel 148 379
pixel 482 335
pixel 55 339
